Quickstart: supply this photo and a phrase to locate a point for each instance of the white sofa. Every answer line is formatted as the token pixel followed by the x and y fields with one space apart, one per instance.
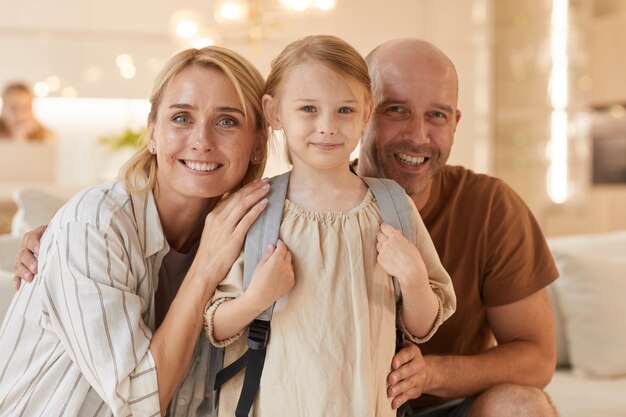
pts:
pixel 589 302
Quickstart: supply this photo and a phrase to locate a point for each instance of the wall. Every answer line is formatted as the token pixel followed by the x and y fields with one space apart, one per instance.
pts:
pixel 68 38
pixel 522 108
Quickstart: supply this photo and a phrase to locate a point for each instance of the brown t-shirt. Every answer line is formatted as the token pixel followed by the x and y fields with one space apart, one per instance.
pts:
pixel 493 249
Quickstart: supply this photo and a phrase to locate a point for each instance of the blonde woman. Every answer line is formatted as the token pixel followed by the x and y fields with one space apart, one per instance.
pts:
pixel 111 324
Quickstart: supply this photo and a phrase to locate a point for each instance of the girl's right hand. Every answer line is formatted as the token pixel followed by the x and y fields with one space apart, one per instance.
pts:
pixel 225 229
pixel 272 277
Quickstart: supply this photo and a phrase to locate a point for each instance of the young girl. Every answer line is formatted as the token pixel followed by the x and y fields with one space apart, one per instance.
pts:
pixel 333 330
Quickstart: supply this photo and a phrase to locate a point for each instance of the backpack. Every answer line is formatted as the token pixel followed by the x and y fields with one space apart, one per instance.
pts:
pixel 395 210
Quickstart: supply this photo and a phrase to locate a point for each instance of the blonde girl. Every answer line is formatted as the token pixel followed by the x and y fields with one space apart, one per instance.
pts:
pixel 333 328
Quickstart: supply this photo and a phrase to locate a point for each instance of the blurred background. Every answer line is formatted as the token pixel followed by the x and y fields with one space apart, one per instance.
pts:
pixel 542 85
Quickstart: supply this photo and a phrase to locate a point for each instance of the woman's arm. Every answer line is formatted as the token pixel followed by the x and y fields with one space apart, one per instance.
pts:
pixel 222 238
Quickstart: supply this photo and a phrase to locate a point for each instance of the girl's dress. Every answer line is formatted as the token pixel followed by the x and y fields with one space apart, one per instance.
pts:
pixel 333 335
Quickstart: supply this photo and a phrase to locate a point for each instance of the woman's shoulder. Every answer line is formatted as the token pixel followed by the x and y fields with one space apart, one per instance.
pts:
pixel 98 205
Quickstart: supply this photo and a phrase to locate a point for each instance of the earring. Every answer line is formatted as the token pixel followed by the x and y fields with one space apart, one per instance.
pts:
pixel 150 149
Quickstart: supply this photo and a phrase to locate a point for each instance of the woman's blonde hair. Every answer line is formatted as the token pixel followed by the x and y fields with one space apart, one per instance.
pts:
pixel 139 173
pixel 331 51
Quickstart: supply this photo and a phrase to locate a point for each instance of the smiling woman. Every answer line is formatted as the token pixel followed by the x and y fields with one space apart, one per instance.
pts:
pixel 127 267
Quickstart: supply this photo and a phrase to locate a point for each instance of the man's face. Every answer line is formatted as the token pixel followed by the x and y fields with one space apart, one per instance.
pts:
pixel 412 129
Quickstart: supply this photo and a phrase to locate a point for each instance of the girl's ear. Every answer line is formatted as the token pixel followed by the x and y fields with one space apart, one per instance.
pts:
pixel 270 111
pixel 368 110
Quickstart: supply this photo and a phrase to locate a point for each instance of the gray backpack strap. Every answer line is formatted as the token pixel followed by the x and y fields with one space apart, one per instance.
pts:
pixel 395 210
pixel 264 231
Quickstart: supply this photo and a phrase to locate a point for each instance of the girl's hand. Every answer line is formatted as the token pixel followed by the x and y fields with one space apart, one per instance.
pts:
pixel 399 257
pixel 272 278
pixel 225 229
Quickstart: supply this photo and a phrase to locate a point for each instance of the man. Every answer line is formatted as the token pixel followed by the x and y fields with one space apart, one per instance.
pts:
pixel 486 237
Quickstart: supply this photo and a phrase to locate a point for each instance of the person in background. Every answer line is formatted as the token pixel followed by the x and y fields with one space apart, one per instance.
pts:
pixel 17 119
pixel 494 356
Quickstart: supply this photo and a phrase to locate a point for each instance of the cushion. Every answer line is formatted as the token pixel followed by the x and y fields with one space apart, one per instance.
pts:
pixel 590 297
pixel 35 207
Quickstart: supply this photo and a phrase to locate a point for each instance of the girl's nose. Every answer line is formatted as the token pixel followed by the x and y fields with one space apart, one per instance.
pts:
pixel 327 125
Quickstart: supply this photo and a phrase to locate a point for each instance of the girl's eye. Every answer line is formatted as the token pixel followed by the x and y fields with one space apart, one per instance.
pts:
pixel 345 110
pixel 227 121
pixel 308 109
pixel 181 118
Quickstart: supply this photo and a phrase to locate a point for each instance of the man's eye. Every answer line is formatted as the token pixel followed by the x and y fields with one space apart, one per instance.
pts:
pixel 346 110
pixel 181 118
pixel 395 109
pixel 308 109
pixel 438 115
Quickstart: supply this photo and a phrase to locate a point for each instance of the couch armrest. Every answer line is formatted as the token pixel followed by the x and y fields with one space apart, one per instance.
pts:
pixel 8 249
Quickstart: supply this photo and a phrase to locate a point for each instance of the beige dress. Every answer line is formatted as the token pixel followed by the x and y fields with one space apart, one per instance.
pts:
pixel 333 335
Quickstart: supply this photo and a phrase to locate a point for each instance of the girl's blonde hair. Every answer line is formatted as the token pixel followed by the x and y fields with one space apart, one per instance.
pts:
pixel 139 173
pixel 331 51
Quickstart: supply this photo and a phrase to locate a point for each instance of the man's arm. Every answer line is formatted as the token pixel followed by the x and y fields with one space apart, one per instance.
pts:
pixel 525 355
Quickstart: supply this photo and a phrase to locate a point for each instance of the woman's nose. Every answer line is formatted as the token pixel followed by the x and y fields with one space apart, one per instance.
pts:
pixel 203 138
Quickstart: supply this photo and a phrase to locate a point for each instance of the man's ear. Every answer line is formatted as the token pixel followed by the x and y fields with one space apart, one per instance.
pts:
pixel 270 111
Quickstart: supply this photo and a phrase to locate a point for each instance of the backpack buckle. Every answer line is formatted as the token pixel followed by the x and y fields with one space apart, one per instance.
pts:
pixel 258 334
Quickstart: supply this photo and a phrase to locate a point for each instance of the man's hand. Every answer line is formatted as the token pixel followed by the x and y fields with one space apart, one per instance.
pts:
pixel 408 375
pixel 25 264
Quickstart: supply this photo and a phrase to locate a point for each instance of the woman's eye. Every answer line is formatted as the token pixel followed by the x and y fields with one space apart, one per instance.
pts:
pixel 308 109
pixel 227 121
pixel 181 118
pixel 345 110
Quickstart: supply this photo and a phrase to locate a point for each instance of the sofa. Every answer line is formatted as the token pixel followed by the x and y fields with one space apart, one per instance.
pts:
pixel 588 300
pixel 589 304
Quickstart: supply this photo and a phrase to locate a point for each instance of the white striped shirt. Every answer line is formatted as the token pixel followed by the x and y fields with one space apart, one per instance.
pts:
pixel 75 341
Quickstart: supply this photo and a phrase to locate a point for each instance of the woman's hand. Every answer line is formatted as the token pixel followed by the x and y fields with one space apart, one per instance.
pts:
pixel 225 229
pixel 25 264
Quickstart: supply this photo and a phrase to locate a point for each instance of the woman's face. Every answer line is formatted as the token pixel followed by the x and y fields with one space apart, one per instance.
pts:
pixel 202 140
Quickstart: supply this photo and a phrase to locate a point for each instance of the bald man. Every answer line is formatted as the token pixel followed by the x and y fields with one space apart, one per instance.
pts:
pixel 495 355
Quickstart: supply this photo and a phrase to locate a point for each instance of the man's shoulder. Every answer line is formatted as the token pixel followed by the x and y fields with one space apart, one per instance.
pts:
pixel 467 181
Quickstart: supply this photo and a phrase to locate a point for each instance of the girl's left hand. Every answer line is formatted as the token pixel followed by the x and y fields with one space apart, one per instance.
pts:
pixel 398 256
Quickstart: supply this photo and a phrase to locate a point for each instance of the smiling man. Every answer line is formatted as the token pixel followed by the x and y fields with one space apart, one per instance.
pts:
pixel 496 353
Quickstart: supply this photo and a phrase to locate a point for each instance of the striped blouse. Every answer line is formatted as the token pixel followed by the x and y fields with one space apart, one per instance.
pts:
pixel 75 341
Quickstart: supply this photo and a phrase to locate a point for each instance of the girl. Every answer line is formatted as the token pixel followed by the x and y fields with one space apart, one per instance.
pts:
pixel 333 331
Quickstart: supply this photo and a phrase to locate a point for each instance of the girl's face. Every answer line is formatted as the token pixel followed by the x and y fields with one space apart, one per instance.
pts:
pixel 202 140
pixel 321 113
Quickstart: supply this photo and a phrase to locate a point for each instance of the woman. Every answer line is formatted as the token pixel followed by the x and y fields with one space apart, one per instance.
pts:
pixel 111 325
pixel 18 120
